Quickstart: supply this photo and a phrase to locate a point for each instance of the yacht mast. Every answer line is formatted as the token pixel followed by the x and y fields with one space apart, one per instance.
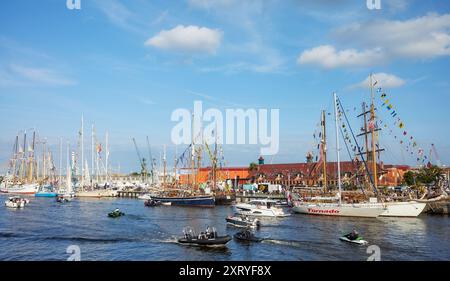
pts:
pixel 106 156
pixel 372 118
pixel 324 152
pixel 337 149
pixel 92 155
pixel 165 165
pixel 60 161
pixel 82 151
pixel 44 160
pixel 192 154
pixel 23 165
pixel 15 155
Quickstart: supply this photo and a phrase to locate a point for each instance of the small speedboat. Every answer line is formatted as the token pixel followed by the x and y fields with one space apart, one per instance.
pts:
pixel 16 202
pixel 243 221
pixel 166 203
pixel 354 238
pixel 63 199
pixel 116 213
pixel 248 236
pixel 207 238
pixel 152 203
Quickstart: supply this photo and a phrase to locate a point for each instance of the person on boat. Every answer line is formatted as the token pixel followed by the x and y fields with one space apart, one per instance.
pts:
pixel 353 235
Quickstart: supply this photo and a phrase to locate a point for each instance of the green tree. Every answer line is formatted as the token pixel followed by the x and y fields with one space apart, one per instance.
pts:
pixel 410 178
pixel 430 175
pixel 253 167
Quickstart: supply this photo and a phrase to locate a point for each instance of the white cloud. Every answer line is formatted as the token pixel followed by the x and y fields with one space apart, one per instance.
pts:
pixel 384 80
pixel 187 39
pixel 15 75
pixel 380 41
pixel 328 57
pixel 419 38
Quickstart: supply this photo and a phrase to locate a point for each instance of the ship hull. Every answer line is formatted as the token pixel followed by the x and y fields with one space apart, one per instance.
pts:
pixel 403 209
pixel 26 189
pixel 343 210
pixel 197 201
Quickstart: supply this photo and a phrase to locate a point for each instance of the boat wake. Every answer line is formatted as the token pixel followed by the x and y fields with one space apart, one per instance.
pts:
pixel 89 239
pixel 290 243
pixel 170 240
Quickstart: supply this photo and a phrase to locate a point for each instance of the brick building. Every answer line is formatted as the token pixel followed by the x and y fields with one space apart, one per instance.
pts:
pixel 299 174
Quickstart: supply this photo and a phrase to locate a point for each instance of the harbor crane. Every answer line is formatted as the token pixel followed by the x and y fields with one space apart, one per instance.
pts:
pixel 142 161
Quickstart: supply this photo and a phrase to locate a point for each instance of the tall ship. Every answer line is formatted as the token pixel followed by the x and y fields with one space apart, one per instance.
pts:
pixel 366 171
pixel 172 192
pixel 340 208
pixel 21 177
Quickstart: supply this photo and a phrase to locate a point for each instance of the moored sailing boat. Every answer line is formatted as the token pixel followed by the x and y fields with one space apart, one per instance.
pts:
pixel 338 209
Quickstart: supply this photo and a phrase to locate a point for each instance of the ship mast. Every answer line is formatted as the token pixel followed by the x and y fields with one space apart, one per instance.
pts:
pixel 92 155
pixel 31 160
pixel 193 154
pixel 82 151
pixel 14 160
pixel 106 156
pixel 337 149
pixel 175 167
pixel 372 118
pixel 324 151
pixel 165 166
pixel 22 153
pixel 60 161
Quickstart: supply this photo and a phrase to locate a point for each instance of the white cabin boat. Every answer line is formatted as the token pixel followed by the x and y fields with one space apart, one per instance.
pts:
pixel 26 189
pixel 261 207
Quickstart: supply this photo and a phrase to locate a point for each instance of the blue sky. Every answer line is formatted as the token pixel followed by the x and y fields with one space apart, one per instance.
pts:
pixel 126 65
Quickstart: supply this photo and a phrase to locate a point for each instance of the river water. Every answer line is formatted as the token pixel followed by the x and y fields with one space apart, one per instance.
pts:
pixel 44 229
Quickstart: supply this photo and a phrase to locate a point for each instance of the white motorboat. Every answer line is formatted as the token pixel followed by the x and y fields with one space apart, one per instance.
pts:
pixel 243 221
pixel 260 207
pixel 26 189
pixel 15 202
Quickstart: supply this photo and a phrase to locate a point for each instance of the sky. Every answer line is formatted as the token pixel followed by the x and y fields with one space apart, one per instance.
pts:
pixel 127 65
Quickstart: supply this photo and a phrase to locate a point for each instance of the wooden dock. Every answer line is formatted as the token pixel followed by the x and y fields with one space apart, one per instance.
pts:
pixel 130 194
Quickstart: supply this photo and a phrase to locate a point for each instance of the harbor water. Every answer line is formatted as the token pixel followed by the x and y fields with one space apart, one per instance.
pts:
pixel 44 230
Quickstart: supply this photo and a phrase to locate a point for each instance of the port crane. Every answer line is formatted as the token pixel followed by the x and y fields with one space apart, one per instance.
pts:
pixel 142 161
